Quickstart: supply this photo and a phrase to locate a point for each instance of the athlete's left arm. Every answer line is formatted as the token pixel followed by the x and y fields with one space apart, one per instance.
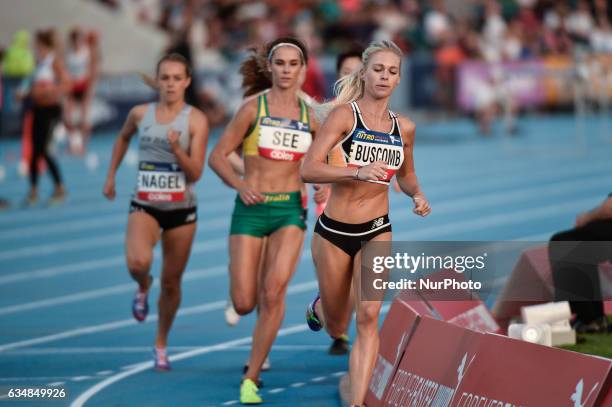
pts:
pixel 406 175
pixel 192 161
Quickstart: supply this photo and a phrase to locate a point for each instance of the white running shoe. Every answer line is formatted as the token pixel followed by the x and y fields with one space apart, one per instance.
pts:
pixel 264 367
pixel 231 316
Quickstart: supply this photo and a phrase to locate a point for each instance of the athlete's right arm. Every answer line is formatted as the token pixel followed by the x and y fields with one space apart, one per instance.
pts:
pixel 316 169
pixel 231 138
pixel 121 145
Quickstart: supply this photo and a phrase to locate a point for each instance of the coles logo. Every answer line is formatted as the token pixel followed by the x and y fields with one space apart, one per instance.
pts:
pixel 159 197
pixel 281 155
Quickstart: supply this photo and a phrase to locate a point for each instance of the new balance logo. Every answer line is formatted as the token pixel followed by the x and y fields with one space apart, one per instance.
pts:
pixel 191 217
pixel 378 223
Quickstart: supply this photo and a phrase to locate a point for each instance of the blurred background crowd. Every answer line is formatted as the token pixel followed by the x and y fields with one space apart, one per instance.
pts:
pixel 482 58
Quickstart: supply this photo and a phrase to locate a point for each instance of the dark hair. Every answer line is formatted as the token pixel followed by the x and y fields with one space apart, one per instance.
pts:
pixel 174 57
pixel 75 35
pixel 255 76
pixel 354 52
pixel 46 37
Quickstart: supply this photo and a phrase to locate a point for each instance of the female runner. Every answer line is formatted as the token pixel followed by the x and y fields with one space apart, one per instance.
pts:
pixel 275 130
pixel 366 130
pixel 172 148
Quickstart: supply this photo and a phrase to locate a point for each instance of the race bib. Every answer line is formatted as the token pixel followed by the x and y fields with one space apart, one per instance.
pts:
pixel 283 139
pixel 160 182
pixel 369 146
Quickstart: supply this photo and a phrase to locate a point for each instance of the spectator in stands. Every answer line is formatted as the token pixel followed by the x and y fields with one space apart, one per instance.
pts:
pixel 575 257
pixel 580 22
pixel 601 37
pixel 437 22
pixel 493 33
pixel 18 64
pixel 3 202
pixel 82 63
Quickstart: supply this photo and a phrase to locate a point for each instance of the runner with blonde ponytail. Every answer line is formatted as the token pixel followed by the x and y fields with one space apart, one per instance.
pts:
pixel 376 144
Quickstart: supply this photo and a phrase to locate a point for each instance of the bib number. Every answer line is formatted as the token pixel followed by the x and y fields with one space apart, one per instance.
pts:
pixel 283 139
pixel 370 146
pixel 160 182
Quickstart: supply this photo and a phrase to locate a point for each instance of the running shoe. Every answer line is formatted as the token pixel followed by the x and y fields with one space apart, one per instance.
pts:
pixel 29 201
pixel 248 392
pixel 140 304
pixel 340 346
pixel 231 316
pixel 57 198
pixel 160 355
pixel 312 319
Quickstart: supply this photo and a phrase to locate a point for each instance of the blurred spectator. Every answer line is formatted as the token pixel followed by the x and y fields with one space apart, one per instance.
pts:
pixel 349 61
pixel 19 59
pixel 580 23
pixel 82 63
pixel 447 57
pixel 4 204
pixel 493 33
pixel 18 65
pixel 601 37
pixel 437 22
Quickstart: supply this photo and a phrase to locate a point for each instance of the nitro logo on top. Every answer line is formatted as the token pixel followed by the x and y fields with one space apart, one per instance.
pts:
pixel 283 139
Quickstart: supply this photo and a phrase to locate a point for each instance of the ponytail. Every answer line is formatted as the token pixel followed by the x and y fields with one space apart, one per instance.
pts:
pixel 255 76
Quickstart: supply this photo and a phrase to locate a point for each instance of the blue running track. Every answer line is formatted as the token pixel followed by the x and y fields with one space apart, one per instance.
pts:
pixel 65 294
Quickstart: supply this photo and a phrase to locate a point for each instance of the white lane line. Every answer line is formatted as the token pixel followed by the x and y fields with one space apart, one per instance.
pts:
pixel 78 225
pixel 53 271
pixel 276 390
pixel 105 372
pixel 109 326
pixel 55 384
pixel 191 275
pixel 484 222
pixel 318 379
pixel 35 378
pixel 86 207
pixel 89 265
pixel 144 349
pixel 338 374
pixel 80 378
pixel 450 207
pixel 92 391
pixel 516 169
pixel 297 385
pixel 64 246
pixel 230 403
pixel 504 197
pixel 120 219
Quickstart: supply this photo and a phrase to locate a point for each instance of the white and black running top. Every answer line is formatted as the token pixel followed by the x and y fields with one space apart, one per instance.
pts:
pixel 363 146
